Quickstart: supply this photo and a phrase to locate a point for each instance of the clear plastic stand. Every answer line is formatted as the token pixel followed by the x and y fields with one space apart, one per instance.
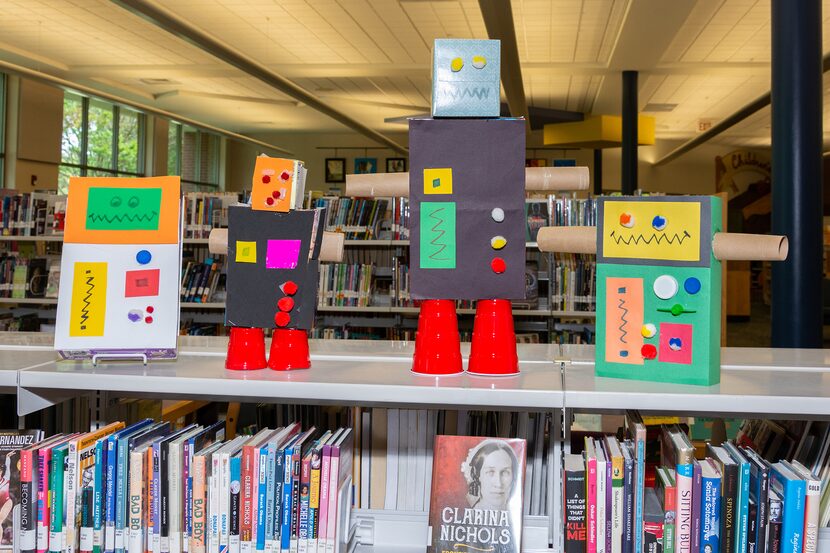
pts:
pixel 96 359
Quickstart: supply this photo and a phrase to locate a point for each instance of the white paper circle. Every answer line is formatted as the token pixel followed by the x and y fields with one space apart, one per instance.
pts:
pixel 497 214
pixel 665 287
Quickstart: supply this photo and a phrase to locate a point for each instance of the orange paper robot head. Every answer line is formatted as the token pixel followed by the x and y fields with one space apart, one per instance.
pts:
pixel 276 183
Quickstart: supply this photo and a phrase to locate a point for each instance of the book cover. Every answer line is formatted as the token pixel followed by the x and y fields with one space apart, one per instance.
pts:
pixel 653 523
pixel 759 490
pixel 573 495
pixel 811 504
pixel 666 489
pixel 637 432
pixel 476 496
pixel 729 496
pixel 742 506
pixel 775 507
pixel 11 442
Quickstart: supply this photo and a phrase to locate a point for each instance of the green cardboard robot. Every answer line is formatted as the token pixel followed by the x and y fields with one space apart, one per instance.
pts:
pixel 659 283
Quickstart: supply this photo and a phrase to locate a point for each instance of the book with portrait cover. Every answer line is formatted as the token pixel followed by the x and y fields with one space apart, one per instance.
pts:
pixel 476 499
pixel 11 483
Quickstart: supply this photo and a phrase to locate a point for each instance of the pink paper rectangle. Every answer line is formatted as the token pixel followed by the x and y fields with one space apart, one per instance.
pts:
pixel 282 254
pixel 673 332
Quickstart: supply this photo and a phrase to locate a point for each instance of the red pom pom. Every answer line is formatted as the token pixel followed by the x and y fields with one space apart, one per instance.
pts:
pixel 269 201
pixel 148 320
pixel 289 288
pixel 284 176
pixel 498 265
pixel 149 309
pixel 266 179
pixel 649 351
pixel 282 319
pixel 286 304
pixel 276 194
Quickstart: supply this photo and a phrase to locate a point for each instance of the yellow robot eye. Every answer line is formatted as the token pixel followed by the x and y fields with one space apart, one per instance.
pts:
pixel 479 62
pixel 457 64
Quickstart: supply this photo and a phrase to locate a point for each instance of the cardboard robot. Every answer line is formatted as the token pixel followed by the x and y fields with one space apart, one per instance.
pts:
pixel 659 283
pixel 466 187
pixel 274 250
pixel 120 269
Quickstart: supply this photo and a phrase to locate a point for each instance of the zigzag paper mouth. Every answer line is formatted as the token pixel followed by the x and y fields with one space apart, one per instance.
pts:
pixel 674 239
pixel 144 217
pixel 460 92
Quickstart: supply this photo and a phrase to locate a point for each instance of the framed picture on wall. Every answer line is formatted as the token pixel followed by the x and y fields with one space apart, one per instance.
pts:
pixel 363 165
pixel 536 162
pixel 396 165
pixel 335 169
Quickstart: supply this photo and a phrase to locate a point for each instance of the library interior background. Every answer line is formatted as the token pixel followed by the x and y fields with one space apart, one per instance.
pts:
pixel 645 100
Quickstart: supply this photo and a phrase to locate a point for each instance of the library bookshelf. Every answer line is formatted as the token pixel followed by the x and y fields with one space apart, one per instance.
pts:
pixel 755 382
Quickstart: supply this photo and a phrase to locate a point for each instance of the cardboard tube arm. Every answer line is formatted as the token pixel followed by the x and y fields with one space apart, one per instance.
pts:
pixel 536 179
pixel 330 250
pixel 556 178
pixel 378 185
pixel 750 247
pixel 567 239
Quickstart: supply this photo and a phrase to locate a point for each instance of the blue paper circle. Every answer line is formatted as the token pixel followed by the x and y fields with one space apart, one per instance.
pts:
pixel 692 285
pixel 143 257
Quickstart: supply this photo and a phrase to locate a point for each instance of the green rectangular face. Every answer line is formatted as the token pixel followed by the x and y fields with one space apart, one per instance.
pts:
pixel 123 208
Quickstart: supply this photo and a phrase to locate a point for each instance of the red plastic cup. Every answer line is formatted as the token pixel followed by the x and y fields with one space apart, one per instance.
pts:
pixel 246 349
pixel 437 343
pixel 493 351
pixel 289 350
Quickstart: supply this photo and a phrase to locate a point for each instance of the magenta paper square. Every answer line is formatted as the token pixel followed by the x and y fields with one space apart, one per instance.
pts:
pixel 282 254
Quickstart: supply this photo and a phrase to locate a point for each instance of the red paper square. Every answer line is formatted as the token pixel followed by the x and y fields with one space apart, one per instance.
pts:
pixel 142 283
pixel 683 332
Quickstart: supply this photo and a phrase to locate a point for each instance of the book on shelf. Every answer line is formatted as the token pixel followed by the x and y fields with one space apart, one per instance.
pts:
pixel 357 218
pixel 31 213
pixel 204 211
pixel 16 497
pixel 476 498
pixel 200 280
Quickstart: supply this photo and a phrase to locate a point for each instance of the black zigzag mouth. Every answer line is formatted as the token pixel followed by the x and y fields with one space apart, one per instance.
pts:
pixel 675 239
pixel 109 219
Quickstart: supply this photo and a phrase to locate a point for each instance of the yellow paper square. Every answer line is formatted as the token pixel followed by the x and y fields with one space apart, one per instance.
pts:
pixel 245 252
pixel 438 181
pixel 678 241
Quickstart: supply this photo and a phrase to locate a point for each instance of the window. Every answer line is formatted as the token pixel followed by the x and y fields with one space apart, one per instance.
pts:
pixel 99 139
pixel 2 127
pixel 194 155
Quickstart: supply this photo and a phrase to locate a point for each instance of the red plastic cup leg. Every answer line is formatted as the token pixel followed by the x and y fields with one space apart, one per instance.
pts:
pixel 289 350
pixel 437 343
pixel 246 349
pixel 493 351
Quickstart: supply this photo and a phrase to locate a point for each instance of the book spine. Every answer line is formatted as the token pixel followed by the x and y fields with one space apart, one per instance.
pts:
pixel 743 509
pixel 600 507
pixel 697 485
pixel 28 493
pixel 246 493
pixel 135 540
pixel 617 501
pixel 752 534
pixel 279 477
pixel 710 515
pixel 574 510
pixel 609 504
pixel 591 469
pixel 331 522
pixel 295 497
pixel 314 507
pixel 774 525
pixel 629 480
pixel 684 476
pixel 792 527
pixel 156 503
pixel 99 483
pixel 85 540
pixel 109 509
pixel 287 481
pixel 811 514
pixel 639 493
pixel 213 505
pixel 187 505
pixel 670 519
pixel 302 519
pixel 149 501
pixel 121 492
pixel 198 525
pixel 270 491
pixel 56 503
pixel 235 516
pixel 653 537
pixel 325 468
pixel 224 502
pixel 174 502
pixel 729 495
pixel 44 458
pixel 261 508
pixel 762 487
pixel 71 499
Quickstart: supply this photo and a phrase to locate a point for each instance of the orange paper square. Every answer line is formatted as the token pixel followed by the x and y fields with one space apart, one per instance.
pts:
pixel 168 230
pixel 272 184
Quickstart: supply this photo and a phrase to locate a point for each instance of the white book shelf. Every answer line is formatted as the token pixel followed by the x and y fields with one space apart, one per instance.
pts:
pixel 756 382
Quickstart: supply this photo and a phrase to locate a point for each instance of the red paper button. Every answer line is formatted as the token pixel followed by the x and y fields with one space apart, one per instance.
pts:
pixel 649 351
pixel 148 320
pixel 289 288
pixel 282 319
pixel 286 304
pixel 498 265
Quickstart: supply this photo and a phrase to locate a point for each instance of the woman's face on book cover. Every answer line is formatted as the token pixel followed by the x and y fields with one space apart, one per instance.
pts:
pixel 496 479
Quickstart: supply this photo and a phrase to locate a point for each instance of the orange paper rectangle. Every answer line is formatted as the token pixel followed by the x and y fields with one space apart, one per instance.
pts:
pixel 272 183
pixel 624 320
pixel 125 205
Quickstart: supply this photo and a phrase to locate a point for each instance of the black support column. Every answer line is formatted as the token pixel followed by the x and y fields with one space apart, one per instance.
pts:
pixel 597 172
pixel 796 172
pixel 629 132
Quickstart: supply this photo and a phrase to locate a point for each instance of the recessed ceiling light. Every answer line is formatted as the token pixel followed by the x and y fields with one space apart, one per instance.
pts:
pixel 652 107
pixel 158 81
